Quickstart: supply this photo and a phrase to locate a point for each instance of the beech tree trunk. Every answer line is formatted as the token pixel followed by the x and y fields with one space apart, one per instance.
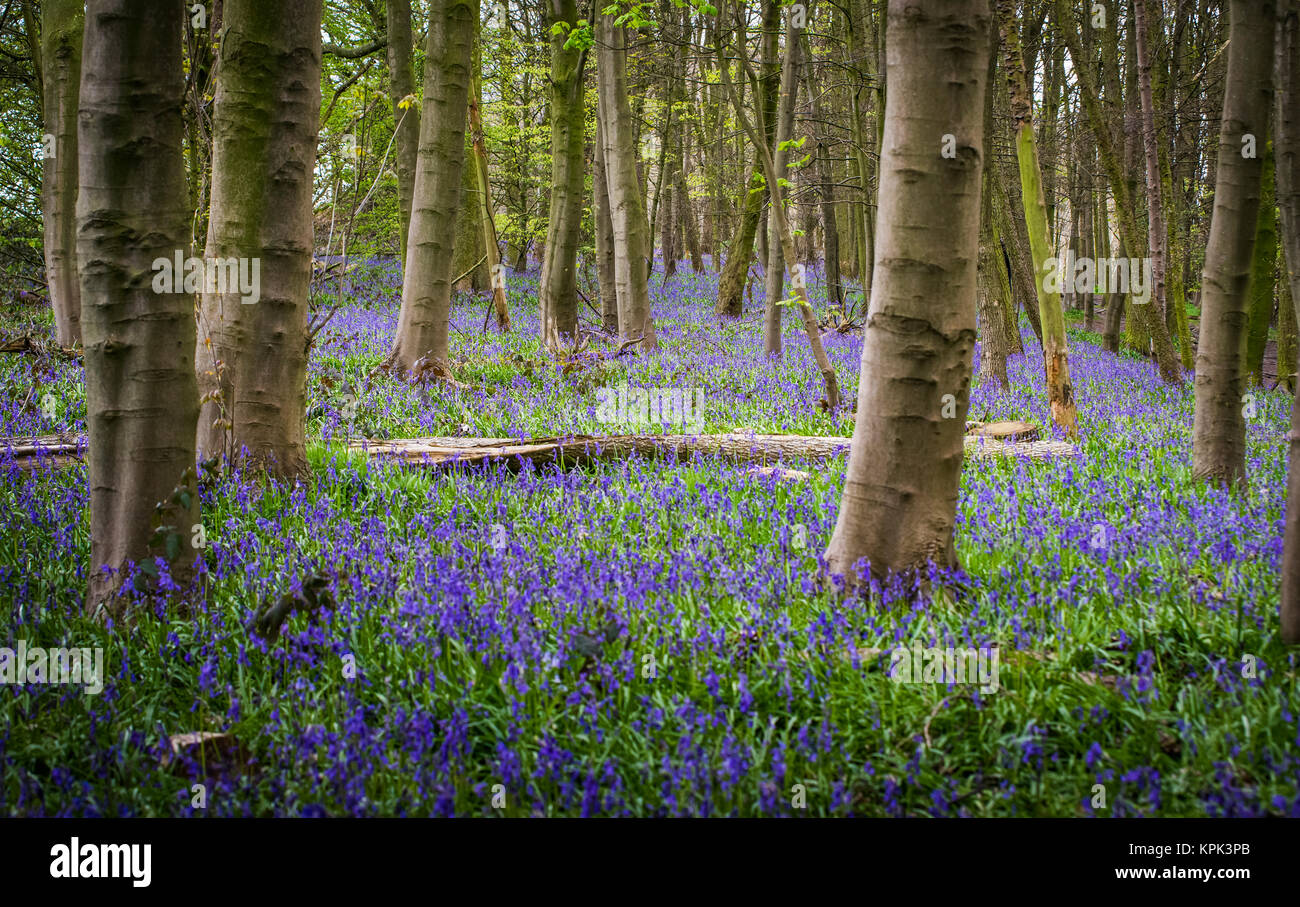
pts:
pixel 62 23
pixel 141 394
pixel 825 188
pixel 777 258
pixel 1287 163
pixel 740 252
pixel 1009 224
pixel 558 294
pixel 1060 392
pixel 784 234
pixel 1263 274
pixel 496 271
pixel 1219 432
pixel 604 228
pixel 1121 189
pixel 401 85
pixel 1156 234
pixel 252 356
pixel 991 323
pixel 426 281
pixel 631 230
pixel 686 218
pixel 900 490
pixel 468 258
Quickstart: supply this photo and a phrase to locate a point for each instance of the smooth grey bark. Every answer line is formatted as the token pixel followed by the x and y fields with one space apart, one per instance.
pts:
pixel 252 358
pixel 1219 429
pixel 483 194
pixel 631 240
pixel 604 228
pixel 900 491
pixel 401 86
pixel 141 393
pixel 424 322
pixel 62 24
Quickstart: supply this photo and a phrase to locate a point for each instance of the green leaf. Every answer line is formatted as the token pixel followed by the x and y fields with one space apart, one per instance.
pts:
pixel 148 567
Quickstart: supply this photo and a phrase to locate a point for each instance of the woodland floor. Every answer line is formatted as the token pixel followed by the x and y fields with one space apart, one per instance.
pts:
pixel 501 624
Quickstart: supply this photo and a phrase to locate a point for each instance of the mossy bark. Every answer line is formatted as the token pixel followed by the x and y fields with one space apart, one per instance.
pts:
pixel 1263 276
pixel 558 293
pixel 1060 392
pixel 252 357
pixel 740 252
pixel 1287 122
pixel 469 260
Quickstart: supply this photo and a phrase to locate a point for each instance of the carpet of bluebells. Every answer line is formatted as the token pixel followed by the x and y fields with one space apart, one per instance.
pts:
pixel 651 639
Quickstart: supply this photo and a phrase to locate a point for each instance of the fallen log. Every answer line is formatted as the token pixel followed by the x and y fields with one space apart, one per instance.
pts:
pixel 581 450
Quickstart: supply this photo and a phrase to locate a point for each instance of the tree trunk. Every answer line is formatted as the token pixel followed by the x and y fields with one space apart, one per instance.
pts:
pixel 1219 432
pixel 1010 227
pixel 689 228
pixel 1060 392
pixel 426 282
pixel 631 271
pixel 469 258
pixel 141 394
pixel 558 293
pixel 496 271
pixel 991 324
pixel 604 228
pixel 1288 342
pixel 1287 163
pixel 62 23
pixel 900 491
pixel 1166 356
pixel 778 258
pixel 740 252
pixel 1287 142
pixel 825 188
pixel 863 146
pixel 1263 274
pixel 401 86
pixel 783 231
pixel 1156 234
pixel 252 355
